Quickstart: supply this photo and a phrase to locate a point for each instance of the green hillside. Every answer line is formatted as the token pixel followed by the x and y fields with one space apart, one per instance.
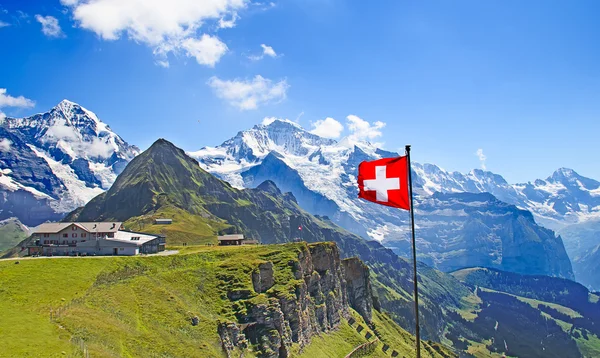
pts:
pixel 11 233
pixel 566 312
pixel 144 306
pixel 163 182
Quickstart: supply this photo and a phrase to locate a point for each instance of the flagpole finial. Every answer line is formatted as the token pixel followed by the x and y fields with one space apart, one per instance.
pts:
pixel 407 148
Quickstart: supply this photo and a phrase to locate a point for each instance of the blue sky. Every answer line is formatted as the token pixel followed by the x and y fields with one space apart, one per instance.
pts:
pixel 519 80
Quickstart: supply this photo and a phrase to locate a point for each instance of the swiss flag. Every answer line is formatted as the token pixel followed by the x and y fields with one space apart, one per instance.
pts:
pixel 385 182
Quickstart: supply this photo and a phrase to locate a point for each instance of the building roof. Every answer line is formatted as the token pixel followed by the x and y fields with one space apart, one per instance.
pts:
pixel 170 220
pixel 53 228
pixel 231 237
pixel 122 238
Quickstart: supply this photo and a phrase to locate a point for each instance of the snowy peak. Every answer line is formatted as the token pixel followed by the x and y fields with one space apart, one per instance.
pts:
pixel 250 147
pixel 71 155
pixel 563 174
pixel 283 136
pixel 564 197
pixel 570 178
pixel 69 131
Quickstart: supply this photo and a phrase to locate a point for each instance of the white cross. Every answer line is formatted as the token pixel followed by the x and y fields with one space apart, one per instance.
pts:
pixel 381 184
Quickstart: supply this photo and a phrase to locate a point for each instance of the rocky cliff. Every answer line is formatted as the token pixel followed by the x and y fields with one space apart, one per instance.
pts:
pixel 324 290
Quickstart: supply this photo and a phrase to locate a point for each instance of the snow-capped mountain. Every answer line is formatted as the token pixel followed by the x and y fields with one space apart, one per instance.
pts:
pixel 563 198
pixel 56 161
pixel 321 173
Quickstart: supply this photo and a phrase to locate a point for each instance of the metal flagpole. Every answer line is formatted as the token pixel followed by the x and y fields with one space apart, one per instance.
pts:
pixel 414 253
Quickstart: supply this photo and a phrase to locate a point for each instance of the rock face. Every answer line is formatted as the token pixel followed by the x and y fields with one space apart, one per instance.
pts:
pixel 359 287
pixel 315 303
pixel 467 229
pixel 231 337
pixel 587 267
pixel 262 277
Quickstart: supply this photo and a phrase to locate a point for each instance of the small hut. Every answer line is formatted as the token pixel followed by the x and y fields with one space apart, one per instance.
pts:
pixel 229 240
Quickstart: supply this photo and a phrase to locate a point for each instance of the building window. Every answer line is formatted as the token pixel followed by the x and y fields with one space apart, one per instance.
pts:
pixel 46 235
pixel 64 242
pixel 83 235
pixel 122 248
pixel 74 241
pixel 73 227
pixel 135 238
pixel 110 234
pixel 74 235
pixel 45 242
pixel 65 235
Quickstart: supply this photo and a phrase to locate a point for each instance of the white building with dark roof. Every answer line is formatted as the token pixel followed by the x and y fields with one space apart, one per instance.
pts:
pixel 92 238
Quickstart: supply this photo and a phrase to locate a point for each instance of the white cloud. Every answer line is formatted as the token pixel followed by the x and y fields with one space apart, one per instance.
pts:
pixel 7 100
pixel 5 144
pixel 249 93
pixel 228 24
pixel 50 26
pixel 482 158
pixel 267 51
pixel 327 128
pixel 61 132
pixel 362 130
pixel 163 63
pixel 98 148
pixel 208 50
pixel 4 24
pixel 165 26
pixel 10 101
pixel 268 120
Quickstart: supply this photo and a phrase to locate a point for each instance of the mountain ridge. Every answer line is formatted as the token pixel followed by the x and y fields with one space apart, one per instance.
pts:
pixel 541 196
pixel 170 178
pixel 171 182
pixel 57 161
pixel 322 177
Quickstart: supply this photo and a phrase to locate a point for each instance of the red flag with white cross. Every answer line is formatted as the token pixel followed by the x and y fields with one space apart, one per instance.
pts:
pixel 385 181
pixel 388 181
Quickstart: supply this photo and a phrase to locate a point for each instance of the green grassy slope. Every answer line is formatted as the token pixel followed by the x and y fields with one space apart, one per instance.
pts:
pixel 567 310
pixel 11 233
pixel 142 306
pixel 164 182
pixel 186 228
pixel 128 306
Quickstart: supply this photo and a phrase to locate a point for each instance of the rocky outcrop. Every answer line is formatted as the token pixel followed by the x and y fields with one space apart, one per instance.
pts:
pixel 315 302
pixel 359 289
pixel 231 337
pixel 262 277
pixel 269 329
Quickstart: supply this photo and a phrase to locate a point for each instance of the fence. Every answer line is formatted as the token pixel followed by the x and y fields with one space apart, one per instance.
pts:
pixel 364 348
